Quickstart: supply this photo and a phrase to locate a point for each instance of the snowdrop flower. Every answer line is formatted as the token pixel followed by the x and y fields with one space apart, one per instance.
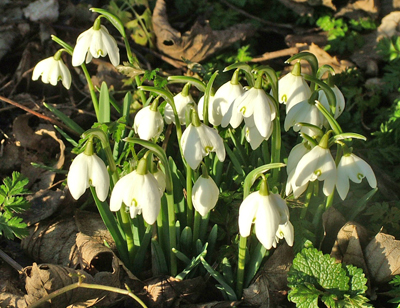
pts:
pixel 267 211
pixel 304 111
pixel 225 101
pixel 148 122
pixel 181 100
pixel 198 140
pixel 255 102
pixel 205 194
pixel 140 192
pixel 340 101
pixel 352 167
pixel 292 88
pixel 294 157
pixel 94 43
pixel 252 134
pixel 88 170
pixel 214 115
pixel 161 178
pixel 285 231
pixel 52 70
pixel 317 164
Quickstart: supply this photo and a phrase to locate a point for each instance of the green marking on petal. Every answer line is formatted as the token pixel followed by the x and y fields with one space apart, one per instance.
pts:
pixel 208 149
pixel 318 172
pixel 243 110
pixel 284 98
pixel 134 202
pixel 100 52
pixel 360 176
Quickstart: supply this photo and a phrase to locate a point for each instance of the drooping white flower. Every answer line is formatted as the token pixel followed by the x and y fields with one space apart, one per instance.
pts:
pixel 181 101
pixel 225 101
pixel 198 141
pixel 205 194
pixel 140 193
pixel 252 134
pixel 307 113
pixel 285 231
pixel 214 114
pixel 267 212
pixel 148 123
pixel 351 167
pixel 161 179
pixel 292 88
pixel 255 102
pixel 85 171
pixel 340 101
pixel 52 70
pixel 294 157
pixel 95 43
pixel 318 164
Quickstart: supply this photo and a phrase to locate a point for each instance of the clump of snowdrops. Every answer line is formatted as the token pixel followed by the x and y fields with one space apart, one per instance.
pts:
pixel 157 178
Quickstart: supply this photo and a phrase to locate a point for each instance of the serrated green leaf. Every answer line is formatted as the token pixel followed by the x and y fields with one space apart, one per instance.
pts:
pixel 357 280
pixel 310 265
pixel 304 296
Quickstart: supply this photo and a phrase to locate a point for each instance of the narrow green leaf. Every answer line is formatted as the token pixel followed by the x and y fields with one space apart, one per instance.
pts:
pixel 64 45
pixel 217 276
pixel 67 121
pixel 257 255
pixel 158 259
pixel 247 71
pixel 66 136
pixel 187 79
pixel 141 252
pixel 104 104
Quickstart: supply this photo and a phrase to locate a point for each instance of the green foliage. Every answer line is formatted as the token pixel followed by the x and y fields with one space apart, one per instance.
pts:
pixel 314 276
pixel 12 202
pixel 395 292
pixel 156 78
pixel 389 48
pixel 344 36
pixel 386 215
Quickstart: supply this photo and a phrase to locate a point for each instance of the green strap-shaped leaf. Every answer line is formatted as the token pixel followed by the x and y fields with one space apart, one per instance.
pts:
pixel 104 104
pixel 187 79
pixel 247 71
pixel 217 276
pixel 66 120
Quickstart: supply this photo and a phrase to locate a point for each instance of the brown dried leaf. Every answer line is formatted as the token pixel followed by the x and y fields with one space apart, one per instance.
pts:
pixel 383 257
pixel 332 222
pixel 165 291
pixel 199 42
pixel 360 9
pixel 269 287
pixel 43 204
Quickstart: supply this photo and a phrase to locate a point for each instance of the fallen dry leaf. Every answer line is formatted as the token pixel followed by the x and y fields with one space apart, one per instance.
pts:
pixel 269 287
pixel 383 257
pixel 199 42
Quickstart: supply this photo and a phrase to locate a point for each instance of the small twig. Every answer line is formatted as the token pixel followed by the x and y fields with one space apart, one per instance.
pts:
pixel 11 262
pixel 273 25
pixel 279 53
pixel 39 115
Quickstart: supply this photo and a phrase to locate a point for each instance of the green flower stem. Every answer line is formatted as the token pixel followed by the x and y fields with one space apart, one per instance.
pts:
pixel 91 90
pixel 172 233
pixel 189 186
pixel 241 265
pixel 112 226
pixel 126 225
pixel 309 193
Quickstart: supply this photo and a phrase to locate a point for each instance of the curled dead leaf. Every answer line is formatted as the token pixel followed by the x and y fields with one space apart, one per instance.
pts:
pixel 199 42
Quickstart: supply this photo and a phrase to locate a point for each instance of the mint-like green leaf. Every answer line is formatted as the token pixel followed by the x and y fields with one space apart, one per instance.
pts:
pixel 357 280
pixel 12 226
pixel 310 265
pixel 305 296
pixel 314 274
pixel 357 301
